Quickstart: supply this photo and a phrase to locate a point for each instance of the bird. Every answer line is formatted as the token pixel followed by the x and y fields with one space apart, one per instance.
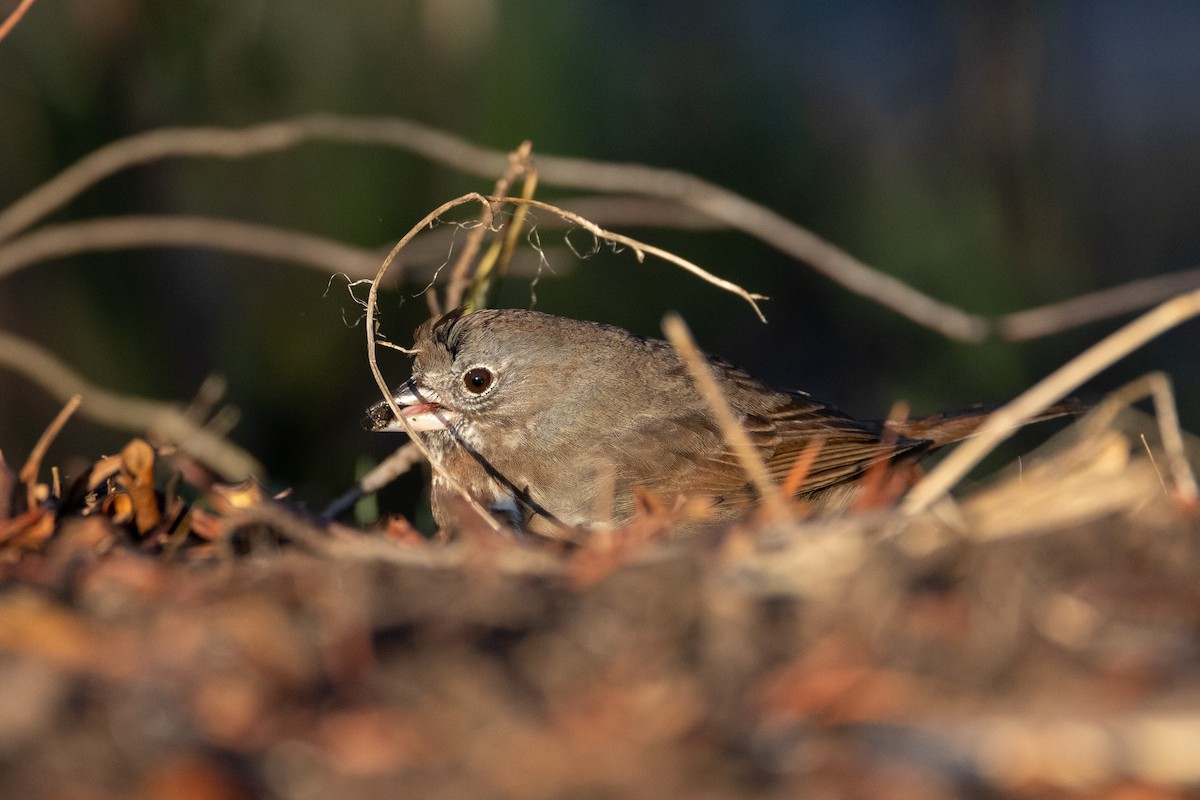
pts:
pixel 555 424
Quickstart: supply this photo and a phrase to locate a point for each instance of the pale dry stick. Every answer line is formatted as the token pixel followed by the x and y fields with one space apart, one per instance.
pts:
pixel 372 324
pixel 518 164
pixel 399 462
pixel 712 200
pixel 127 412
pixel 752 464
pixel 15 17
pixel 640 249
pixel 211 390
pixel 29 472
pixel 1000 425
pixel 1157 386
pixel 1044 320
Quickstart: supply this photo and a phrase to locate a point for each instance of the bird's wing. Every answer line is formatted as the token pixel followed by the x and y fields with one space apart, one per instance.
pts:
pixel 785 436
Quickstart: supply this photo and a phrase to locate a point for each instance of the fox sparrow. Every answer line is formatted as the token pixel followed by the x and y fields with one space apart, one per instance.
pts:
pixel 554 422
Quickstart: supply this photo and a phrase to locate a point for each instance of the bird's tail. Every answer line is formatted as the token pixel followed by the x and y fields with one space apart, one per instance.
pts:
pixel 951 426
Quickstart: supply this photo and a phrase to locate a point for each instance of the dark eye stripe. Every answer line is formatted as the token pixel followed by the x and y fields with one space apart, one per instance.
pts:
pixel 477 379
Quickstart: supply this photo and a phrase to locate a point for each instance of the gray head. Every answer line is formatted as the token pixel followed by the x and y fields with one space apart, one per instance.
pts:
pixel 509 369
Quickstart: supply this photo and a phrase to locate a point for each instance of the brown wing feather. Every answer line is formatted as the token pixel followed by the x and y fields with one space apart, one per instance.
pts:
pixel 784 434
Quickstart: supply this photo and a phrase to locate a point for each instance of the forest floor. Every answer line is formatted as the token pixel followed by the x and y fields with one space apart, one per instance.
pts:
pixel 1037 637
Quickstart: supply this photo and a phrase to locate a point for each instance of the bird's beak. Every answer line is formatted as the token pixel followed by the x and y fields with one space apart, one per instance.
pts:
pixel 417 405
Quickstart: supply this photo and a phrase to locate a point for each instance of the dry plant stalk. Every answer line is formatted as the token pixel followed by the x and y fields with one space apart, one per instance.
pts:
pixel 498 259
pixel 137 478
pixel 519 164
pixel 1157 386
pixel 29 472
pixel 773 498
pixel 1000 425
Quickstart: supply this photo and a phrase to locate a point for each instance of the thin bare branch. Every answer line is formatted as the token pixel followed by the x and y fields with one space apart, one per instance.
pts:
pixel 717 203
pixel 711 201
pixel 124 233
pixel 752 464
pixel 230 143
pixel 404 458
pixel 126 412
pixel 1128 297
pixel 1000 425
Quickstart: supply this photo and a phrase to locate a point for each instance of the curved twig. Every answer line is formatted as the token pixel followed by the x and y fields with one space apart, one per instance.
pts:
pixel 640 249
pixel 372 324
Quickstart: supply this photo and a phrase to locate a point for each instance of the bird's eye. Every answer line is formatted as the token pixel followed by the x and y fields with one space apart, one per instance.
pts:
pixel 478 379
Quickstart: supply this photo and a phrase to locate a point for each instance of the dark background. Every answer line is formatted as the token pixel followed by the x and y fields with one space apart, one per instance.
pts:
pixel 997 155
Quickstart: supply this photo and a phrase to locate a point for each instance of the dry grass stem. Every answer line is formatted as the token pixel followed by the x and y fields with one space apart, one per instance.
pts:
pixel 15 17
pixel 801 467
pixel 1157 386
pixel 774 501
pixel 1091 478
pixel 127 412
pixel 1003 422
pixel 29 472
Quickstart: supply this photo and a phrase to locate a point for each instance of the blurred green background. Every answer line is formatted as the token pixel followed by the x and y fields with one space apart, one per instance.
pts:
pixel 997 155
